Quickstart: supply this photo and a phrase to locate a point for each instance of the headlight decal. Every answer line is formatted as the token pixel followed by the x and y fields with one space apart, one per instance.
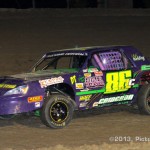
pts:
pixel 19 90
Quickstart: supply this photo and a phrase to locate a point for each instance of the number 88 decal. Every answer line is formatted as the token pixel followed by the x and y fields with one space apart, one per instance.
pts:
pixel 119 81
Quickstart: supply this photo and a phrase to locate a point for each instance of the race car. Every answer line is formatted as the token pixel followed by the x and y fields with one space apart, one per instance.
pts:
pixel 83 78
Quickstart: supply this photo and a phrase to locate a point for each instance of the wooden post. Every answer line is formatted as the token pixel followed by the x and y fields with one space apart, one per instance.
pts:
pixel 105 4
pixel 68 4
pixel 33 4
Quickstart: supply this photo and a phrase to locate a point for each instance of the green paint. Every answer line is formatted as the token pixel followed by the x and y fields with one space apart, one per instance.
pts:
pixel 136 86
pixel 145 67
pixel 99 91
pixel 90 92
pixel 135 74
pixel 82 79
pixel 37 113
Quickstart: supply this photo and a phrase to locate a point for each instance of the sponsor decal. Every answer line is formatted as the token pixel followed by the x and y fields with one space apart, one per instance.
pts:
pixel 138 58
pixel 35 99
pixel 47 82
pixel 93 82
pixel 92 70
pixel 85 98
pixel 116 99
pixel 37 104
pixel 67 54
pixel 87 75
pixel 76 54
pixel 79 86
pixel 83 104
pixel 54 55
pixel 98 73
pixel 73 79
pixel 85 70
pixel 7 86
pixel 95 104
pixel 118 81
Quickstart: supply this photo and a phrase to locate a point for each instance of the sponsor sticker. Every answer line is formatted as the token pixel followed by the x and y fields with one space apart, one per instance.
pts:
pixel 79 86
pixel 48 82
pixel 92 70
pixel 76 54
pixel 35 99
pixel 92 82
pixel 85 98
pixel 73 79
pixel 83 104
pixel 95 104
pixel 98 73
pixel 85 70
pixel 37 104
pixel 87 75
pixel 67 54
pixel 138 58
pixel 116 99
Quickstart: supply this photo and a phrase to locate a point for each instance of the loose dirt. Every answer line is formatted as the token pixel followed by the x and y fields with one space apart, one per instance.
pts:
pixel 26 35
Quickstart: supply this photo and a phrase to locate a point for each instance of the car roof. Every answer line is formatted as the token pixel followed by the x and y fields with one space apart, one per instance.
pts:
pixel 85 50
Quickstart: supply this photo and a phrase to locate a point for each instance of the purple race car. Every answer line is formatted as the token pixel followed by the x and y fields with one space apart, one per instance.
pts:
pixel 78 79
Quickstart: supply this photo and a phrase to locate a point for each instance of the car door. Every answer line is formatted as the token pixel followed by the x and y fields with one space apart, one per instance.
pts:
pixel 89 83
pixel 116 76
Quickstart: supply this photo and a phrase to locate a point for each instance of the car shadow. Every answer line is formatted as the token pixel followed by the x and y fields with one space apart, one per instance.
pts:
pixel 106 110
pixel 33 121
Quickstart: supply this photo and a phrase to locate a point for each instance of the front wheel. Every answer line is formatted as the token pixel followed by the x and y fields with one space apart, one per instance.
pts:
pixel 57 111
pixel 143 100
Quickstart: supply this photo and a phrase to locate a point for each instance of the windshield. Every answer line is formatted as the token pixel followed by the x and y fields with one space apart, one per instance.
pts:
pixel 60 62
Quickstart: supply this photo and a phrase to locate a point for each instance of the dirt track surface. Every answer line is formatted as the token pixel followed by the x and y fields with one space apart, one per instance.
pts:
pixel 26 36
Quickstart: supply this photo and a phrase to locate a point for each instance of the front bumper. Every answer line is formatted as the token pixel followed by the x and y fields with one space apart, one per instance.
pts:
pixel 17 104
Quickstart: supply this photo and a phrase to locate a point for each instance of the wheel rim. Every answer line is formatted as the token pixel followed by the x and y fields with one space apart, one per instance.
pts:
pixel 59 112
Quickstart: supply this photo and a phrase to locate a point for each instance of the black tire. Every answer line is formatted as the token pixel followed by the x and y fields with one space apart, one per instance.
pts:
pixel 143 100
pixel 57 111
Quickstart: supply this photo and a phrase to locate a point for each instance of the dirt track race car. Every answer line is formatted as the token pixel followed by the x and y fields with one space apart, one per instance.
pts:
pixel 78 79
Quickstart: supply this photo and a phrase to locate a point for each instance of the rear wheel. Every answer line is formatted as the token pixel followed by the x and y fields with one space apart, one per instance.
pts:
pixel 57 111
pixel 143 100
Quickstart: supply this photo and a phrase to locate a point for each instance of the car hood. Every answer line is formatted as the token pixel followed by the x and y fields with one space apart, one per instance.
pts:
pixel 42 74
pixel 7 83
pixel 10 82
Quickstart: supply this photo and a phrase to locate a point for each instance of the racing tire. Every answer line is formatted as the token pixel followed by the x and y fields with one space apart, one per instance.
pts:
pixel 143 99
pixel 57 111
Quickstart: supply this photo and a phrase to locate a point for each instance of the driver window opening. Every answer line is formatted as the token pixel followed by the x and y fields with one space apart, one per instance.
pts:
pixel 62 62
pixel 112 60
